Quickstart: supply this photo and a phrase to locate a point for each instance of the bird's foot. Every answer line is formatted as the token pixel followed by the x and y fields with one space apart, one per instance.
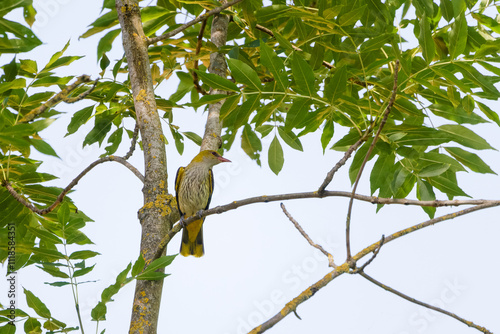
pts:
pixel 199 214
pixel 181 221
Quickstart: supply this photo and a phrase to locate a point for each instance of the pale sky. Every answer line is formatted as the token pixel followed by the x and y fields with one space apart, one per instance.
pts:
pixel 255 260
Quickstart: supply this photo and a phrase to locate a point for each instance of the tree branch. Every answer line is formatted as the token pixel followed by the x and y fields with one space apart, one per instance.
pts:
pixel 345 267
pixel 370 149
pixel 132 144
pixel 304 234
pixel 193 22
pixel 213 128
pixel 56 99
pixel 82 95
pixel 196 81
pixel 70 186
pixel 314 194
pixel 415 301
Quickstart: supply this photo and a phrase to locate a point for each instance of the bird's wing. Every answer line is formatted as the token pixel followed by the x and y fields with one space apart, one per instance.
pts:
pixel 178 178
pixel 211 187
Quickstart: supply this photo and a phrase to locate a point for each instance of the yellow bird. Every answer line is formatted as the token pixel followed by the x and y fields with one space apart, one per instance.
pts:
pixel 194 185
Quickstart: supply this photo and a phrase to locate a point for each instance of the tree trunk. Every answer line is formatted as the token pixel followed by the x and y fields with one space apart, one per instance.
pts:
pixel 158 213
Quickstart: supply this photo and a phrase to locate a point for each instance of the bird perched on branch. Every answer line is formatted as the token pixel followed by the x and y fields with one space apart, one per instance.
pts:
pixel 194 185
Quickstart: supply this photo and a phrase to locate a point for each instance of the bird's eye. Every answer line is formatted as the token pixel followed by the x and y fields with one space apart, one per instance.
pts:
pixel 214 154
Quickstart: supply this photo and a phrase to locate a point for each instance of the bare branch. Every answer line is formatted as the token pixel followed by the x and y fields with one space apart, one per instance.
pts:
pixel 213 127
pixel 196 81
pixel 304 234
pixel 70 186
pixel 370 149
pixel 345 267
pixel 305 295
pixel 415 301
pixel 56 99
pixel 314 194
pixel 341 163
pixel 193 22
pixel 375 253
pixel 82 95
pixel 132 144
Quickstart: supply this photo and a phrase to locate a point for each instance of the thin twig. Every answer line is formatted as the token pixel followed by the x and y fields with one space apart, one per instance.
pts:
pixel 82 95
pixel 341 163
pixel 304 234
pixel 132 144
pixel 429 306
pixel 73 183
pixel 192 22
pixel 199 43
pixel 314 194
pixel 375 253
pixel 345 267
pixel 367 156
pixel 56 99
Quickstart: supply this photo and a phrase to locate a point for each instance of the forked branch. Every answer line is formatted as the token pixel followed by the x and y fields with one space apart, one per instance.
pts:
pixel 193 22
pixel 345 267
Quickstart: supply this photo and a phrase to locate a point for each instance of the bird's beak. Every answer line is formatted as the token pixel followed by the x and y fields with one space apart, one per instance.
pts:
pixel 222 159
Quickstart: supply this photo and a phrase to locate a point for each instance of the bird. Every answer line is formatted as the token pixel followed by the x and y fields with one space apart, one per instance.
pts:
pixel 194 185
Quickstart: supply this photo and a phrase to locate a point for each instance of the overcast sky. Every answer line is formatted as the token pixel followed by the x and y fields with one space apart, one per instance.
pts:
pixel 255 260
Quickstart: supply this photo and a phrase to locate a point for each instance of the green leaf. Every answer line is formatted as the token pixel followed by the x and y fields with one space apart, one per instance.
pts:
pixel 250 143
pixel 98 313
pixel 475 76
pixel 29 66
pixel 327 134
pixel 193 136
pixel 83 271
pixel 83 255
pixel 63 61
pixel 36 304
pixel 14 84
pixel 433 170
pixel 458 114
pixel 267 110
pixel 290 138
pixel 303 76
pixel 470 160
pixel 244 74
pixel 488 112
pixel 150 272
pixel 114 139
pixel 447 9
pixel 425 39
pixel 403 183
pixel 229 105
pixel 337 85
pixel 425 193
pixel 457 36
pixel 379 176
pixel 465 137
pixel 352 16
pixel 53 271
pixel 243 112
pixel 58 284
pixel 44 235
pixel 297 112
pixel 79 118
pixel 275 65
pixel 63 213
pixel 102 125
pixel 275 156
pixel 32 326
pixel 487 21
pixel 51 81
pixel 138 265
pixel 43 147
pixel 185 86
pixel 317 56
pixel 447 183
pixel 217 82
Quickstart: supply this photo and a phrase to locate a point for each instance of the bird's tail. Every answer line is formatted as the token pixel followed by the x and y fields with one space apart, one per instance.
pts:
pixel 192 239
